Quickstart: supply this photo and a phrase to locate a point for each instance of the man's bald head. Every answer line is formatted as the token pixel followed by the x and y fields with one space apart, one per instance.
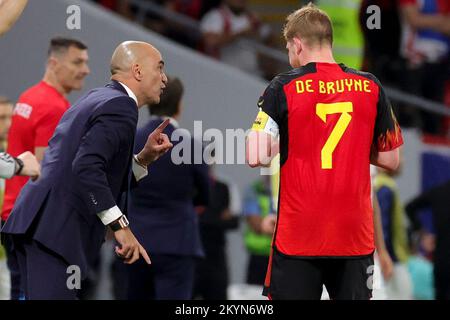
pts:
pixel 139 66
pixel 129 53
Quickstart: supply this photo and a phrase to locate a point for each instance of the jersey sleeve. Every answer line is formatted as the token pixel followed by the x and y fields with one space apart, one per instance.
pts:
pixel 268 118
pixel 45 126
pixel 387 133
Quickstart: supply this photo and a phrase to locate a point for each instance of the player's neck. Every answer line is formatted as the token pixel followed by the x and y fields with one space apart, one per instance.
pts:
pixel 51 80
pixel 324 56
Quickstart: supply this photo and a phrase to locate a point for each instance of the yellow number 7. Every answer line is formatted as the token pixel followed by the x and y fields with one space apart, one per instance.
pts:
pixel 322 110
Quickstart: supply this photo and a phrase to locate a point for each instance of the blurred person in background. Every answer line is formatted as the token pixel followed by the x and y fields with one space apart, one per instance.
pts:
pixel 224 26
pixel 36 116
pixel 24 164
pixel 211 275
pixel 177 30
pixel 382 46
pixel 258 207
pixel 382 49
pixel 165 24
pixel 6 110
pixel 10 11
pixel 122 7
pixel 420 266
pixel 162 210
pixel 6 113
pixel 436 198
pixel 9 167
pixel 425 46
pixel 395 231
pixel 193 9
pixel 348 42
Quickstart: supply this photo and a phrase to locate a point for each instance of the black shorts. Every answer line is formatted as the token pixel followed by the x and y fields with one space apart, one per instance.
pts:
pixel 345 278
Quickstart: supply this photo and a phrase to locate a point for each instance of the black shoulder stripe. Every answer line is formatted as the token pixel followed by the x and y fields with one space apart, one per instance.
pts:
pixel 286 77
pixel 363 74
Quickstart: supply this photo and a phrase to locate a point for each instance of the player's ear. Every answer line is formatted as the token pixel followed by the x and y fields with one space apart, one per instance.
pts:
pixel 137 71
pixel 297 45
pixel 52 62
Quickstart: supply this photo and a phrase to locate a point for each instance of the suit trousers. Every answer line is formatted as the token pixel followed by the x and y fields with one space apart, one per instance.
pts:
pixel 13 267
pixel 44 274
pixel 169 277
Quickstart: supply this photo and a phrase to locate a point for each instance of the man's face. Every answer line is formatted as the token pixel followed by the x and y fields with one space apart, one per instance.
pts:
pixel 294 60
pixel 153 77
pixel 6 112
pixel 71 67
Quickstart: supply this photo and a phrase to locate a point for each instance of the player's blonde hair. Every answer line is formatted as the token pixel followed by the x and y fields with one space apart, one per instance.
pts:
pixel 310 24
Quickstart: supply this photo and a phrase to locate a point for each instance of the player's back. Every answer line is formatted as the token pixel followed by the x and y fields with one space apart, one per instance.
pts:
pixel 328 114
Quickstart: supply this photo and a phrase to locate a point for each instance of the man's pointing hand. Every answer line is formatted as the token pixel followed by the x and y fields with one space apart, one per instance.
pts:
pixel 157 144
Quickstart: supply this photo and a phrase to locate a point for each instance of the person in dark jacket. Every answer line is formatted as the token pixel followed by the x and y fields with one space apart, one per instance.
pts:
pixel 162 210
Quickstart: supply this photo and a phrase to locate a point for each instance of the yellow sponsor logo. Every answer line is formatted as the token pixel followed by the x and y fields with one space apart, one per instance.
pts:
pixel 260 121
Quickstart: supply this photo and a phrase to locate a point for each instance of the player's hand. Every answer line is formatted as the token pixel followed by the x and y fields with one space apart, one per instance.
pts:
pixel 386 264
pixel 268 224
pixel 157 144
pixel 129 248
pixel 31 166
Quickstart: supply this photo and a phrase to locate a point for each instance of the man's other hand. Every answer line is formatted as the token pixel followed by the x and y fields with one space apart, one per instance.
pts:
pixel 157 144
pixel 386 264
pixel 31 167
pixel 268 224
pixel 130 249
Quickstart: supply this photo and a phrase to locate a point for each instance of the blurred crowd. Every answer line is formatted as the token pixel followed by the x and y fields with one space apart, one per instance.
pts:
pixel 405 44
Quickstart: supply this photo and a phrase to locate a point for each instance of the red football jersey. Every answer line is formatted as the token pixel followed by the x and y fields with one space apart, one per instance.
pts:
pixel 329 117
pixel 35 118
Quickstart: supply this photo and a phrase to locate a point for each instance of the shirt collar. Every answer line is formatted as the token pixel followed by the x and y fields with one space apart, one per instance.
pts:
pixel 129 92
pixel 172 121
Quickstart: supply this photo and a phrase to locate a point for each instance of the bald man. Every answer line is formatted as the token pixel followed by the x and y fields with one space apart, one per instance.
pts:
pixel 59 221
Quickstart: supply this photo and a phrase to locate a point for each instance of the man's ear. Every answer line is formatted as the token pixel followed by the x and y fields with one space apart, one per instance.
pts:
pixel 137 72
pixel 52 62
pixel 298 45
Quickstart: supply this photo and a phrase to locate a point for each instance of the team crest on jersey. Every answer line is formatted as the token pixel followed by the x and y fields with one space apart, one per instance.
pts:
pixel 23 110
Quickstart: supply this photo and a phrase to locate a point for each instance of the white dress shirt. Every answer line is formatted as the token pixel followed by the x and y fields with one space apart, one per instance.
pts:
pixel 108 216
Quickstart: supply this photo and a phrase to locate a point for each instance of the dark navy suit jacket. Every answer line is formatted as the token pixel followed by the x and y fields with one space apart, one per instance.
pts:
pixel 161 210
pixel 85 170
